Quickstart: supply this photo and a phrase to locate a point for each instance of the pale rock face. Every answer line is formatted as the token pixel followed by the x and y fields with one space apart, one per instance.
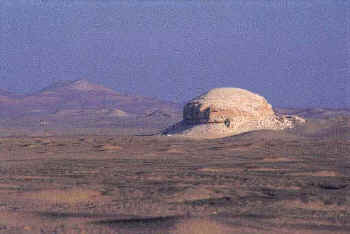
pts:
pixel 229 111
pixel 220 104
pixel 84 85
pixel 118 113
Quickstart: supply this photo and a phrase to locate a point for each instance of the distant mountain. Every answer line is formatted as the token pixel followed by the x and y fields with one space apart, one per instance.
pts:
pixel 4 96
pixel 82 94
pixel 81 100
pixel 82 104
pixel 8 98
pixel 314 113
pixel 77 86
pixel 5 93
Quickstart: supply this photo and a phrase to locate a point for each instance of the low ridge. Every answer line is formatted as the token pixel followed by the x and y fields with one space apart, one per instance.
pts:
pixel 78 85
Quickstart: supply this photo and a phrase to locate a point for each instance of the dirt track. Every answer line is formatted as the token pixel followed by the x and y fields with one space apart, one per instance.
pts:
pixel 262 182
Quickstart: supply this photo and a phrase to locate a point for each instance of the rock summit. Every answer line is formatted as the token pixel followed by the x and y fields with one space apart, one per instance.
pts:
pixel 229 111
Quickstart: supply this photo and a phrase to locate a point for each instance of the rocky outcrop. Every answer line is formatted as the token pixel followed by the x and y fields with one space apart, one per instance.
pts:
pixel 229 111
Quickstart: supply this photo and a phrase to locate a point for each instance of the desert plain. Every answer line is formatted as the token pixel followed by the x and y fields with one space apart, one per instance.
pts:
pixel 286 181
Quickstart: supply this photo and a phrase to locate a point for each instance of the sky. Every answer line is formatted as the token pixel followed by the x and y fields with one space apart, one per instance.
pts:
pixel 296 53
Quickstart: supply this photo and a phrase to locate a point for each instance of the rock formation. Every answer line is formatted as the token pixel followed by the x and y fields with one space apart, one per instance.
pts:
pixel 228 111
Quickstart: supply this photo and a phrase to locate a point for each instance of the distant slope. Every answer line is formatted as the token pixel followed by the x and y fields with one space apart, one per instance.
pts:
pixel 81 95
pixel 314 113
pixel 75 86
pixel 7 102
pixel 5 93
pixel 5 96
pixel 83 103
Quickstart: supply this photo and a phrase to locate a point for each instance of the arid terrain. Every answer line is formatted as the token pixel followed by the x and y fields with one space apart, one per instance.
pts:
pixel 82 107
pixel 77 157
pixel 174 117
pixel 290 181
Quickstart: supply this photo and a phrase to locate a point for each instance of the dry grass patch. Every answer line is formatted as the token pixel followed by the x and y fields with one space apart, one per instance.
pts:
pixel 278 159
pixel 155 177
pixel 317 173
pixel 269 169
pixel 299 221
pixel 9 186
pixel 31 223
pixel 31 177
pixel 207 226
pixel 70 196
pixel 200 226
pixel 216 170
pixel 242 148
pixel 175 150
pixel 111 147
pixel 193 194
pixel 283 187
pixel 18 219
pixel 311 205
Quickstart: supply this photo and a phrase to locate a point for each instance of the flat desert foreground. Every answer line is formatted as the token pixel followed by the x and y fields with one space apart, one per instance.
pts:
pixel 257 182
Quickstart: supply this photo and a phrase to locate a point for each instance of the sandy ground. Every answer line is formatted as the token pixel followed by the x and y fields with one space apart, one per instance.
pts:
pixel 260 182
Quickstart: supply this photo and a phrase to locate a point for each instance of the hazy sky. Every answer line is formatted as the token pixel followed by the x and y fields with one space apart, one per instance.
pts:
pixel 293 52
